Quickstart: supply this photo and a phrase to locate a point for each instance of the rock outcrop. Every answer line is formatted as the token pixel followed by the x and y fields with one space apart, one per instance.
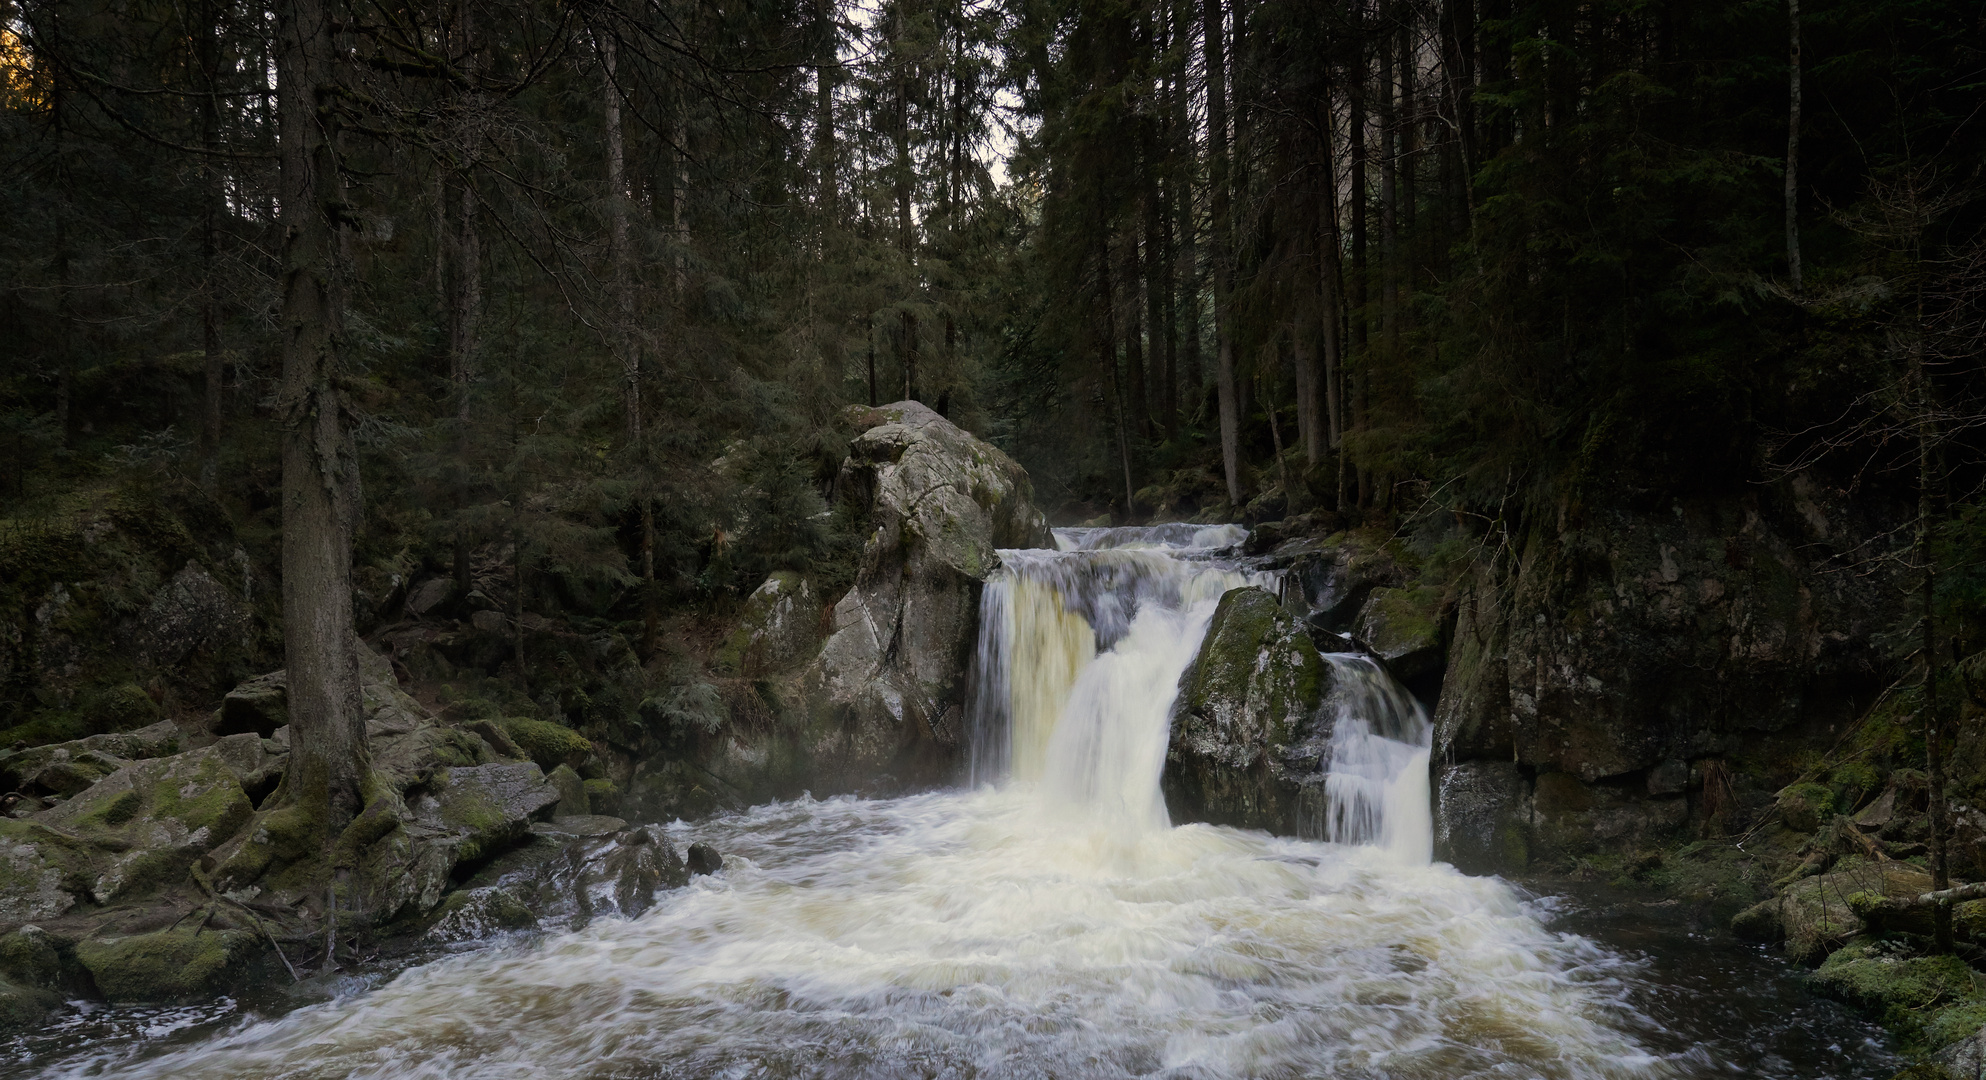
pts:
pixel 141 831
pixel 885 694
pixel 1247 738
pixel 1626 663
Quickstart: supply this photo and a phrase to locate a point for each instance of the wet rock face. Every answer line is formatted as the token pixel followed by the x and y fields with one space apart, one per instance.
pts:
pixel 1631 656
pixel 1246 741
pixel 1482 819
pixel 885 694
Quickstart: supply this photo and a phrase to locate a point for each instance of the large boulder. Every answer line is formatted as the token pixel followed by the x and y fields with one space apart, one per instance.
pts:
pixel 886 693
pixel 1248 741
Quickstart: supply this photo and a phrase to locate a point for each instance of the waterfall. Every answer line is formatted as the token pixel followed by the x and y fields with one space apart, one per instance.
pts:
pixel 1078 665
pixel 1376 785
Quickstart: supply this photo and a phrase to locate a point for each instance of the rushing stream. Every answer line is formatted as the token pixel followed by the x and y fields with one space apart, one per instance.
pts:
pixel 1051 921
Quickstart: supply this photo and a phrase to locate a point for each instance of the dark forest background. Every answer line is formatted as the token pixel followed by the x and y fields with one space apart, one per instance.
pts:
pixel 611 270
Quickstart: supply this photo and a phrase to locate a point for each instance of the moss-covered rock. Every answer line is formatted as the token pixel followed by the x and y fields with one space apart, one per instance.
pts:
pixel 571 789
pixel 548 744
pixel 1804 806
pixel 1929 1001
pixel 779 627
pixel 1244 737
pixel 184 963
pixel 469 914
pixel 1406 628
pixel 1814 916
pixel 602 796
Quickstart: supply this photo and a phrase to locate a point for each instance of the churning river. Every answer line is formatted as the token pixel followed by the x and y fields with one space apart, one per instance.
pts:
pixel 1050 921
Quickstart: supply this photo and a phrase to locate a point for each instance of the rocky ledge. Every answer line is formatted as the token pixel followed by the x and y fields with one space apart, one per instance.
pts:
pixel 163 865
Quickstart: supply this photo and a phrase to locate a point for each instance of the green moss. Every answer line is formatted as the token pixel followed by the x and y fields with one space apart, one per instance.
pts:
pixel 1803 807
pixel 548 744
pixel 1908 994
pixel 28 956
pixel 47 728
pixel 293 832
pixel 120 708
pixel 180 964
pixel 113 812
pixel 572 791
pixel 602 796
pixel 24 1007
pixel 211 799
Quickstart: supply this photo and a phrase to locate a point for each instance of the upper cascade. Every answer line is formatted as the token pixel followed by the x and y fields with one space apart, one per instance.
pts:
pixel 1079 667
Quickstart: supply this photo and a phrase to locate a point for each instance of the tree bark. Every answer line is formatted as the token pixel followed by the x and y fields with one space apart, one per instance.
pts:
pixel 1389 190
pixel 1793 149
pixel 1217 178
pixel 827 66
pixel 208 60
pixel 1934 726
pixel 328 759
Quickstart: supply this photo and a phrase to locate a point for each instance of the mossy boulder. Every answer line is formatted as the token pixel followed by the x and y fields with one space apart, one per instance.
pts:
pixel 1405 627
pixel 181 964
pixel 602 796
pixel 1814 916
pixel 1804 806
pixel 779 627
pixel 1929 1001
pixel 1245 736
pixel 66 762
pixel 572 791
pixel 138 830
pixel 548 744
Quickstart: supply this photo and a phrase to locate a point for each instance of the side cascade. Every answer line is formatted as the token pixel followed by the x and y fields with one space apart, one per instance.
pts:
pixel 1077 670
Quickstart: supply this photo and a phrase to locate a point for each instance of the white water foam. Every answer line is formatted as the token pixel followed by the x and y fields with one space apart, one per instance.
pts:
pixel 1049 925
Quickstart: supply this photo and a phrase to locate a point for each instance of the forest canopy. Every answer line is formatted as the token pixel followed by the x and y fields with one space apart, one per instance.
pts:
pixel 593 281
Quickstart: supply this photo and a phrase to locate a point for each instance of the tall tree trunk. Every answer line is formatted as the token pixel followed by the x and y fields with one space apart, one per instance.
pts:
pixel 1361 283
pixel 1217 174
pixel 1330 272
pixel 1135 397
pixel 1309 425
pixel 872 366
pixel 1793 150
pixel 902 169
pixel 907 353
pixel 208 60
pixel 1934 725
pixel 827 68
pixel 626 337
pixel 1107 332
pixel 328 756
pixel 1389 192
pixel 1155 285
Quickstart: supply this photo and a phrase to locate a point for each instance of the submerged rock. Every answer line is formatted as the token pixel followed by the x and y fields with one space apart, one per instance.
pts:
pixel 1245 739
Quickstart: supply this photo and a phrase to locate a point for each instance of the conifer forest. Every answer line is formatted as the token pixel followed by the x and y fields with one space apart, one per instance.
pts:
pixel 992 538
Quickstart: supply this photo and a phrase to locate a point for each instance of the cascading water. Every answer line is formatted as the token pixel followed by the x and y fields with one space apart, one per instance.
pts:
pixel 1046 922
